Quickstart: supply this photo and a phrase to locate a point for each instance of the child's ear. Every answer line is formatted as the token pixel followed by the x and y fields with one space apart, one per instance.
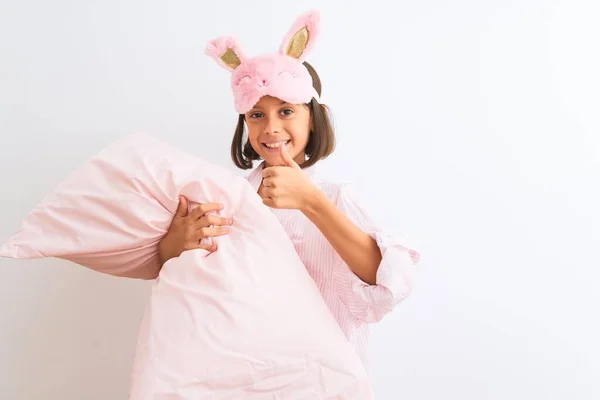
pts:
pixel 227 52
pixel 301 37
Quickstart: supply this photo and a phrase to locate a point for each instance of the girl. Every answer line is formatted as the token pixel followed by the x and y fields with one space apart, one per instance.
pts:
pixel 361 271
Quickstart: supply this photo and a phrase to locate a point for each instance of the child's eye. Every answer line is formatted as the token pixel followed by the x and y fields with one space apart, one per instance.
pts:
pixel 291 73
pixel 242 80
pixel 256 115
pixel 286 112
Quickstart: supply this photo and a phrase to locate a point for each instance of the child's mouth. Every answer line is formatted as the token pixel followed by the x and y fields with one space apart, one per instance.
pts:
pixel 274 146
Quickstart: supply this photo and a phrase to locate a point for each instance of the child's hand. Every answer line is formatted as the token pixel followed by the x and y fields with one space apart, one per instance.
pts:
pixel 187 230
pixel 286 186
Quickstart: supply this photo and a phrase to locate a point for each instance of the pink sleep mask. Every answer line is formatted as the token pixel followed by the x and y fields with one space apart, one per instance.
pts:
pixel 280 75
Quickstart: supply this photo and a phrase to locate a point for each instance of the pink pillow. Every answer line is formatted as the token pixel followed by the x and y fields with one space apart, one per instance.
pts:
pixel 110 214
pixel 245 322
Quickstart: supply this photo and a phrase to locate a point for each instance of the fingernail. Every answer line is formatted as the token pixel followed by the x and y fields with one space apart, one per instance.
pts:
pixel 214 247
pixel 229 220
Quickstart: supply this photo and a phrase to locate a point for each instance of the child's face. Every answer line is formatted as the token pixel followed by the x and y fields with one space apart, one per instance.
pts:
pixel 273 123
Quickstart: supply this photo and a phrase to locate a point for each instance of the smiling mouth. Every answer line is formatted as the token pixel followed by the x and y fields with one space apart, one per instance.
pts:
pixel 275 145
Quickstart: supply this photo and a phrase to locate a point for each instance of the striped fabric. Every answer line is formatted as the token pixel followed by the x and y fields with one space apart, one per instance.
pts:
pixel 353 303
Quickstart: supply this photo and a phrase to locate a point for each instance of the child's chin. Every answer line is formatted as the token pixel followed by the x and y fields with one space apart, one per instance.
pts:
pixel 273 160
pixel 275 163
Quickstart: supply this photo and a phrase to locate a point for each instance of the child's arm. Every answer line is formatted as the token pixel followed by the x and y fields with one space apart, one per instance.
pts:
pixel 358 250
pixel 370 303
pixel 373 269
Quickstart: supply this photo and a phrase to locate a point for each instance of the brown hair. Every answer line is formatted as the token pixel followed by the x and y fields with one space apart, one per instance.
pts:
pixel 321 142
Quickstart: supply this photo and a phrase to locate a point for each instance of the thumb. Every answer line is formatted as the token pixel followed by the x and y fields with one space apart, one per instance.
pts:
pixel 287 158
pixel 182 208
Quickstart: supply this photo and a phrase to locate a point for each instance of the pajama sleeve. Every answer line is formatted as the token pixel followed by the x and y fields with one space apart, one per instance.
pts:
pixel 370 303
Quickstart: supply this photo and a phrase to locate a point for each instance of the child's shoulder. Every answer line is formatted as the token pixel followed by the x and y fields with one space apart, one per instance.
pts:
pixel 332 186
pixel 335 187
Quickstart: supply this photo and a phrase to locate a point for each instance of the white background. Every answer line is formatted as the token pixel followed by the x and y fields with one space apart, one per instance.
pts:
pixel 471 126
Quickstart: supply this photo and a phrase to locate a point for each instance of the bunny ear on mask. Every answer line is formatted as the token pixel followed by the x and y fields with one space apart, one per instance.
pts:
pixel 301 38
pixel 227 52
pixel 280 74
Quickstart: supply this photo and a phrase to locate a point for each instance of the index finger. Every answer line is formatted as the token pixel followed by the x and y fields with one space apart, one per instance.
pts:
pixel 204 208
pixel 213 220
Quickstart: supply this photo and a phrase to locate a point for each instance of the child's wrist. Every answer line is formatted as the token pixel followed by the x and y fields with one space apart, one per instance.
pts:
pixel 313 202
pixel 164 254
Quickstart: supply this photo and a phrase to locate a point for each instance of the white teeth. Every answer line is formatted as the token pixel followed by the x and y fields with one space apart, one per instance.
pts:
pixel 275 145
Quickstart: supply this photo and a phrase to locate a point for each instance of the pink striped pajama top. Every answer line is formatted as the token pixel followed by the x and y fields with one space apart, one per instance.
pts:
pixel 353 302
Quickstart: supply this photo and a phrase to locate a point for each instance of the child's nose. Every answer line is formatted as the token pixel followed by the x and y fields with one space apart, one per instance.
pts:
pixel 272 127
